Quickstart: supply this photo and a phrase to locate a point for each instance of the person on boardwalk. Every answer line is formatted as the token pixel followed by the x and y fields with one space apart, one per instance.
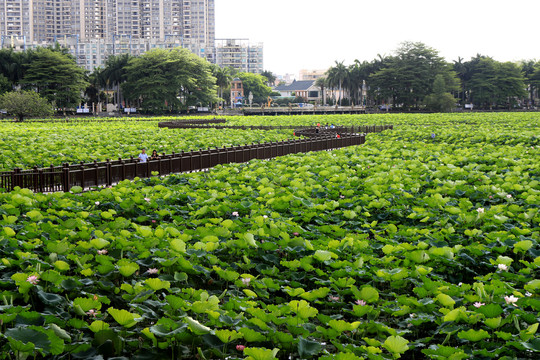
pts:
pixel 155 155
pixel 143 156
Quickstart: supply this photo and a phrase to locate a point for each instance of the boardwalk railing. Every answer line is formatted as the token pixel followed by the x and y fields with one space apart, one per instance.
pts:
pixel 310 129
pixel 88 175
pixel 107 173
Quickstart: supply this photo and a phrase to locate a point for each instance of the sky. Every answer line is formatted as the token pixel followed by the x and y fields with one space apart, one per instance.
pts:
pixel 313 34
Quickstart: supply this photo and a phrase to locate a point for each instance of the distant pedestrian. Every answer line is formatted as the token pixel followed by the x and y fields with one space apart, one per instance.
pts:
pixel 155 155
pixel 143 156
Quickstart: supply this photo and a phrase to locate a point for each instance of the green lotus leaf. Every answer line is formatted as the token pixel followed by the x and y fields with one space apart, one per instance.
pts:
pixel 323 255
pixel 61 265
pixel 157 284
pixel 226 336
pixel 99 243
pixel 126 267
pixel 522 246
pixel 308 348
pixel 98 325
pixel 260 353
pixel 490 310
pixel 251 335
pixel 396 344
pixel 303 309
pixel 196 327
pixel 446 300
pixel 473 335
pixel 124 317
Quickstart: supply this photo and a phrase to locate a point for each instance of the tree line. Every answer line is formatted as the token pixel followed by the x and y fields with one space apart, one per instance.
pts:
pixel 160 81
pixel 156 82
pixel 417 77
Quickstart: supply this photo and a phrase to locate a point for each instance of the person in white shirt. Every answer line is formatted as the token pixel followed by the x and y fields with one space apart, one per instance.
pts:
pixel 143 156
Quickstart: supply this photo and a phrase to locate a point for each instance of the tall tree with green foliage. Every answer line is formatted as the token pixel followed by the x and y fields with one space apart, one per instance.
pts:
pixel 408 77
pixel 22 104
pixel 510 84
pixel 5 84
pixel 440 100
pixel 14 64
pixel 56 76
pixel 166 80
pixel 256 84
pixel 533 81
pixel 271 78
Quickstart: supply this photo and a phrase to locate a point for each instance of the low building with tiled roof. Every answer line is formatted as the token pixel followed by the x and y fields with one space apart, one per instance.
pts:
pixel 305 89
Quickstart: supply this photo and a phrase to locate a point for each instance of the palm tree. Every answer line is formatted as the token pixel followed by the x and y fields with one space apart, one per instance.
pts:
pixel 114 74
pixel 322 84
pixel 223 78
pixel 338 75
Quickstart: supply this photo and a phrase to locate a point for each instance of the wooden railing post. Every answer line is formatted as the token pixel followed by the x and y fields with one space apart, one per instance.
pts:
pixel 109 173
pixel 35 176
pixel 41 180
pixel 96 175
pixel 15 178
pixel 123 171
pixel 65 178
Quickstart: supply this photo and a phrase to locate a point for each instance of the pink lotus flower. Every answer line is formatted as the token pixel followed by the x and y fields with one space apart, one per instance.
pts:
pixel 154 221
pixel 511 300
pixel 97 203
pixel 33 279
pixel 480 210
pixel 152 271
pixel 235 213
pixel 102 252
pixel 360 302
pixel 502 267
pixel 240 347
pixel 333 298
pixel 491 197
pixel 508 196
pixel 342 196
pixel 92 312
pixel 246 281
pixel 478 304
pixel 147 199
pixel 295 233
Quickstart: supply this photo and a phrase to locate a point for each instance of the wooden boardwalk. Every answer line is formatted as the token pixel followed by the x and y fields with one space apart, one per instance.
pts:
pixel 316 110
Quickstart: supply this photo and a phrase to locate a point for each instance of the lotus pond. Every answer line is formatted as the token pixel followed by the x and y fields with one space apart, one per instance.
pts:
pixel 42 144
pixel 420 244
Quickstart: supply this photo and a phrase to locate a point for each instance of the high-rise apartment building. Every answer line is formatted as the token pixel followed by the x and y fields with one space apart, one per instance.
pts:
pixel 240 55
pixel 113 24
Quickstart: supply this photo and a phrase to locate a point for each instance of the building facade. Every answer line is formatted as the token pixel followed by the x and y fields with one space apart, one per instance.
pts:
pixel 311 74
pixel 99 28
pixel 237 92
pixel 240 54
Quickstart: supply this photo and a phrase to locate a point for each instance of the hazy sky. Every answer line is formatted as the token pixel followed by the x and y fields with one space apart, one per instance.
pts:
pixel 312 34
